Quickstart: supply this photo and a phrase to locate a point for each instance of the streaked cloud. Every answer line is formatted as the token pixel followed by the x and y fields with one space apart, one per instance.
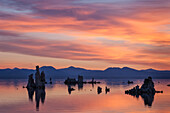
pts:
pixel 123 32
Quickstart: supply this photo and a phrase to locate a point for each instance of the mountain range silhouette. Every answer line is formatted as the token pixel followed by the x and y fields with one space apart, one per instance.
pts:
pixel 111 72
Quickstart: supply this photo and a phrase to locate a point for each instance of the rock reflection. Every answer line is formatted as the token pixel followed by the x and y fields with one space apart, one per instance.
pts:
pixel 70 89
pixel 147 98
pixel 39 95
pixel 80 86
pixel 99 90
pixel 30 94
pixel 107 90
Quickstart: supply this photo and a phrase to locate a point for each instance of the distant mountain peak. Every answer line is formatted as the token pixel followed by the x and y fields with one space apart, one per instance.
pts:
pixel 126 68
pixel 112 68
pixel 49 67
pixel 150 69
pixel 15 68
pixel 71 67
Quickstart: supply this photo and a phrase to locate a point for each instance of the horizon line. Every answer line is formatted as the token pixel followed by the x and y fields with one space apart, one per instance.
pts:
pixel 85 68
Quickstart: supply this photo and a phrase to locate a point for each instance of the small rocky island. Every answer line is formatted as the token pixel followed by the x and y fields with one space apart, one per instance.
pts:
pixel 147 91
pixel 147 87
pixel 39 80
pixel 73 81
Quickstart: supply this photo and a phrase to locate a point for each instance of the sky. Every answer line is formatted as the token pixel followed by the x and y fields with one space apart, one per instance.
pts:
pixel 92 34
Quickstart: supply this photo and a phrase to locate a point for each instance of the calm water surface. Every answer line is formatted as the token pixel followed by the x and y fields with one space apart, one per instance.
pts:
pixel 57 99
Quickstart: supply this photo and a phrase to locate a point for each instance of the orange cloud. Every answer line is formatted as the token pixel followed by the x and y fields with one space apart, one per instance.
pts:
pixel 134 33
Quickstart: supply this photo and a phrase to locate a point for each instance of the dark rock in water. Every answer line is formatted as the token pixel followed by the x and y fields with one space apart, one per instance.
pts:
pixel 70 81
pixel 31 83
pixel 130 82
pixel 158 91
pixel 43 77
pixel 107 90
pixel 39 79
pixel 148 86
pixel 93 82
pixel 99 90
pixel 147 91
pixel 168 85
pixel 80 79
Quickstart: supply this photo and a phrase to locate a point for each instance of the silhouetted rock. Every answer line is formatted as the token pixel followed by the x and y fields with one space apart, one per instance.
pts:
pixel 148 86
pixel 147 91
pixel 93 82
pixel 99 90
pixel 39 79
pixel 168 85
pixel 80 79
pixel 30 83
pixel 130 82
pixel 43 78
pixel 70 81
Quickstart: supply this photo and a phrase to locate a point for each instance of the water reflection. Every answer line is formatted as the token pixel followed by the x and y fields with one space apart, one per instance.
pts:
pixel 30 94
pixel 107 90
pixel 80 86
pixel 85 100
pixel 99 90
pixel 147 98
pixel 39 95
pixel 70 89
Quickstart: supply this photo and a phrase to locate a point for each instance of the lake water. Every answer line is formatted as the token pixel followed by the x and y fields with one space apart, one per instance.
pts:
pixel 84 99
